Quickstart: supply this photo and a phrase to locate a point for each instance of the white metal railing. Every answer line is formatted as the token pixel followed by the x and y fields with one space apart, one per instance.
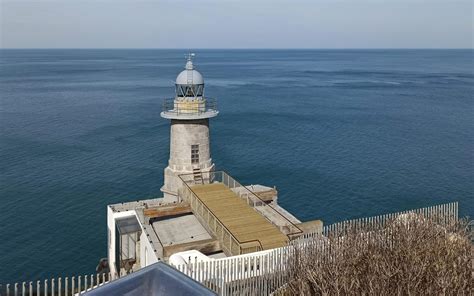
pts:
pixel 67 286
pixel 444 214
pixel 242 275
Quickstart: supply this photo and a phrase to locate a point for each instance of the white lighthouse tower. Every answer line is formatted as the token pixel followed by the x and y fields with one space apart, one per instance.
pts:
pixel 189 113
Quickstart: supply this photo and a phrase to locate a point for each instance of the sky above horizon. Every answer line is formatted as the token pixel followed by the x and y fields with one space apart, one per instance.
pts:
pixel 237 24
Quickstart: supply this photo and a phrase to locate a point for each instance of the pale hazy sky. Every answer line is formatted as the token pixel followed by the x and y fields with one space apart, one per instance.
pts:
pixel 237 24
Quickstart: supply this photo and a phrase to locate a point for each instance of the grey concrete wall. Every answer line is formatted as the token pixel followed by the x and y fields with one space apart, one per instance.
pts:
pixel 184 134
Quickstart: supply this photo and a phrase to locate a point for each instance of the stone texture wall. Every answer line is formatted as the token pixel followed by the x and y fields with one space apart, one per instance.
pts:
pixel 184 134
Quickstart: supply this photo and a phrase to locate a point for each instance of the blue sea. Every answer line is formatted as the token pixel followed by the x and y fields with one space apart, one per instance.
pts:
pixel 340 133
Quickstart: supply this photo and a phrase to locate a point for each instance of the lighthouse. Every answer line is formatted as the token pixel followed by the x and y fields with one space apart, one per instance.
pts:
pixel 189 113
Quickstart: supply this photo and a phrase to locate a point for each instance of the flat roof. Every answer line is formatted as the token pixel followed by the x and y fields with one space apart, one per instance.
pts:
pixel 180 230
pixel 128 224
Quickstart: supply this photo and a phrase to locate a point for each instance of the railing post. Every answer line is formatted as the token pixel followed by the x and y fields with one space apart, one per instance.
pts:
pixel 79 286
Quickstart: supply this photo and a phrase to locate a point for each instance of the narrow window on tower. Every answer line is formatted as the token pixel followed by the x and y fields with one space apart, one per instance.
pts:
pixel 194 154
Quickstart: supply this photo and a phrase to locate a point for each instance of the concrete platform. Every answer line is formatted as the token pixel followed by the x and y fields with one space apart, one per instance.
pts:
pixel 180 230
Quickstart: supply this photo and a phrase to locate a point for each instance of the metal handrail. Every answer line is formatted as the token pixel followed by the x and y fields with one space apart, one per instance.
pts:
pixel 268 205
pixel 299 231
pixel 217 219
pixel 170 105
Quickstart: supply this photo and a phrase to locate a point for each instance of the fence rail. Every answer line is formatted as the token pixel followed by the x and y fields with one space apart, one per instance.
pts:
pixel 443 215
pixel 241 275
pixel 67 286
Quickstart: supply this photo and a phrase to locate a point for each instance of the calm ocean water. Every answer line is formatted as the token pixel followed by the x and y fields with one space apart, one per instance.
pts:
pixel 341 133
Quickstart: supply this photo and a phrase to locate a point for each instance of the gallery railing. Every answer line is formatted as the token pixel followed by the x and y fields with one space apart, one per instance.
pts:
pixel 185 107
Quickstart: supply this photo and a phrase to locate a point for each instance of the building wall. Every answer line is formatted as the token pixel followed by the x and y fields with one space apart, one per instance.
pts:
pixel 111 236
pixel 147 254
pixel 184 134
pixel 145 245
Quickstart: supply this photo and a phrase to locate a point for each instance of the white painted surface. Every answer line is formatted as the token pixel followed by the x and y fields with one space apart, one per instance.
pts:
pixel 111 217
pixel 188 256
pixel 146 254
pixel 195 75
pixel 189 116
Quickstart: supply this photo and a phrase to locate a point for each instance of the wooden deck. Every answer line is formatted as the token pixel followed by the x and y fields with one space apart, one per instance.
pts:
pixel 239 218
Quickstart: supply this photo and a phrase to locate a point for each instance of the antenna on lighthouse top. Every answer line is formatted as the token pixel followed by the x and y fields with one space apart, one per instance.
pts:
pixel 189 63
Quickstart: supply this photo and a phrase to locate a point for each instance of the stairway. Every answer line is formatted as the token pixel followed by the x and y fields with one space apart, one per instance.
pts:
pixel 197 176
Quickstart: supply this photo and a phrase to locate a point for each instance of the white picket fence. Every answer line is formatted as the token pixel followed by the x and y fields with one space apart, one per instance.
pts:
pixel 260 273
pixel 444 214
pixel 61 286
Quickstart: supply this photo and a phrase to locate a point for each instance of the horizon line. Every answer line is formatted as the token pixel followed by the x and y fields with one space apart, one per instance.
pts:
pixel 238 48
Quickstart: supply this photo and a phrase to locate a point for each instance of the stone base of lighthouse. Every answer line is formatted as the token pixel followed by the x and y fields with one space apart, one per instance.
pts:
pixel 173 183
pixel 189 150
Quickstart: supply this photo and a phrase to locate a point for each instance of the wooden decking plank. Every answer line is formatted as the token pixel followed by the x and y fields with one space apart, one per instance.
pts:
pixel 239 218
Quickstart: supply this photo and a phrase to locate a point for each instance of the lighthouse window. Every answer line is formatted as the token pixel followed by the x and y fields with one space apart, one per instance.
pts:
pixel 194 154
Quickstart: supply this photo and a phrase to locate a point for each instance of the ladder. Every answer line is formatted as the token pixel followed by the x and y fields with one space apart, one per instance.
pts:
pixel 197 176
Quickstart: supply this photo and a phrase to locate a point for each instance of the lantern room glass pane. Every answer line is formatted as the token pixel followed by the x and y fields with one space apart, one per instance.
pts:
pixel 191 90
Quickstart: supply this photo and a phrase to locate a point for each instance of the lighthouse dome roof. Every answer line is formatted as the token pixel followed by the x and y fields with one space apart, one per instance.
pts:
pixel 189 76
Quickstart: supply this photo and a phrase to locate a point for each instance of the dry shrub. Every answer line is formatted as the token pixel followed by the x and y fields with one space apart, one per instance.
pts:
pixel 411 256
